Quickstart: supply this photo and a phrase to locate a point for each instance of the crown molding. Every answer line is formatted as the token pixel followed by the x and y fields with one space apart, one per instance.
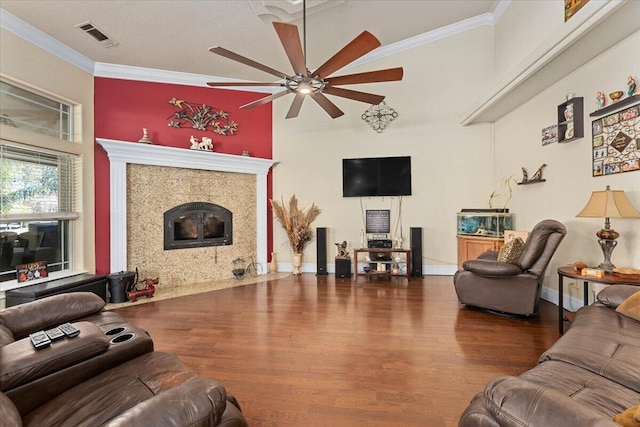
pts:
pixel 100 69
pixel 424 38
pixel 31 34
pixel 126 72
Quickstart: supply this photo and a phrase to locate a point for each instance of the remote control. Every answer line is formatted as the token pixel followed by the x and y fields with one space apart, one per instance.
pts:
pixel 69 330
pixel 54 334
pixel 40 340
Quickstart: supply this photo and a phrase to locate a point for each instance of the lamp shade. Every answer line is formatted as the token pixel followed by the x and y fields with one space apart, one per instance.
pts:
pixel 609 204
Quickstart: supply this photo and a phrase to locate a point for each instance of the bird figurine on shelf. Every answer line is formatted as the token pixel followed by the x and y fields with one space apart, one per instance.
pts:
pixel 600 99
pixel 631 82
pixel 538 175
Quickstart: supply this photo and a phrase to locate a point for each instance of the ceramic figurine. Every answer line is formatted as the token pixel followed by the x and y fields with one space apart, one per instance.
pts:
pixel 206 144
pixel 145 137
pixel 631 82
pixel 538 175
pixel 600 99
pixel 195 144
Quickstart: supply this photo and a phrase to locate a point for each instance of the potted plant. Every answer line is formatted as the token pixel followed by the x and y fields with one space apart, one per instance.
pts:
pixel 297 224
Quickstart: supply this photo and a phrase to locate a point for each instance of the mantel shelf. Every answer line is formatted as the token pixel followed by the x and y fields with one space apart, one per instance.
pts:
pixel 616 106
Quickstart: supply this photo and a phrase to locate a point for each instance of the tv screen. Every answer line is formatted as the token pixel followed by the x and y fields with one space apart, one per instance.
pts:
pixel 376 176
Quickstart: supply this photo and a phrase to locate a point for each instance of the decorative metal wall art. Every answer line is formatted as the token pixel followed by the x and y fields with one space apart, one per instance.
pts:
pixel 201 117
pixel 379 116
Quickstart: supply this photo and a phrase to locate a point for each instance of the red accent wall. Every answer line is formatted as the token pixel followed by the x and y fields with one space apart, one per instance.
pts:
pixel 124 107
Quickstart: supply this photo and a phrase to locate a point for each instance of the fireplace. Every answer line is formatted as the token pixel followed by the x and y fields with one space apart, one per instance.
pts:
pixel 196 225
pixel 141 172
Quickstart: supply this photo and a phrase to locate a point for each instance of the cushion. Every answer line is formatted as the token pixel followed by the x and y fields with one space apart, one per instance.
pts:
pixel 612 296
pixel 629 418
pixel 631 307
pixel 511 251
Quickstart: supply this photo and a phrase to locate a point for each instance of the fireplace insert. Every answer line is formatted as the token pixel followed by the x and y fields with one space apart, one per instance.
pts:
pixel 196 225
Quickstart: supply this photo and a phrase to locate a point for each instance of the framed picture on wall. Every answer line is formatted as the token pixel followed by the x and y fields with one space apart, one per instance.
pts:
pixel 616 142
pixel 571 7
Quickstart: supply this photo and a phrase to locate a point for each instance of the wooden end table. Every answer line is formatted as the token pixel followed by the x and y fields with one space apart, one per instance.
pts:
pixel 607 279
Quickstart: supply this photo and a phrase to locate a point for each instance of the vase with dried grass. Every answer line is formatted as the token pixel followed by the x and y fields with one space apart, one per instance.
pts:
pixel 297 223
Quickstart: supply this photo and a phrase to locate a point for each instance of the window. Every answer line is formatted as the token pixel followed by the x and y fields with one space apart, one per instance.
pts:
pixel 36 208
pixel 24 109
pixel 37 185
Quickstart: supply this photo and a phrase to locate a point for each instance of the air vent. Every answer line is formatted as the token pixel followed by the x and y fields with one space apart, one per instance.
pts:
pixel 89 28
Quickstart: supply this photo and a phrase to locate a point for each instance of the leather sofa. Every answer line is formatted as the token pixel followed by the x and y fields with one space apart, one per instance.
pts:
pixel 108 375
pixel 510 288
pixel 590 374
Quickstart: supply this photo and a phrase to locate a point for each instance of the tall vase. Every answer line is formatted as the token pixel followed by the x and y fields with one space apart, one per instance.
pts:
pixel 297 263
pixel 273 267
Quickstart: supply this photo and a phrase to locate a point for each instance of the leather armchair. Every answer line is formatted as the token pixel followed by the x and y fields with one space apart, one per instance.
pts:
pixel 510 288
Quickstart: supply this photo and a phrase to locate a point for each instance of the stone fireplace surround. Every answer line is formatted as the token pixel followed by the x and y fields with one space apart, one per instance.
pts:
pixel 123 153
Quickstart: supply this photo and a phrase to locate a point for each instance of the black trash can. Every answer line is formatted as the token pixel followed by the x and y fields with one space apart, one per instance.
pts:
pixel 119 284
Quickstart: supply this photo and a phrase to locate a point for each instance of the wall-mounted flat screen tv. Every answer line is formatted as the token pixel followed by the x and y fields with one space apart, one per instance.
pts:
pixel 376 176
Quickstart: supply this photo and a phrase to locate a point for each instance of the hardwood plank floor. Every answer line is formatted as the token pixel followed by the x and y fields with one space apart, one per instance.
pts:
pixel 319 351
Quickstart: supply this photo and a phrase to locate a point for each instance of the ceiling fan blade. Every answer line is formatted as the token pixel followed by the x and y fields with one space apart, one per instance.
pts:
pixel 294 110
pixel 265 100
pixel 358 47
pixel 369 98
pixel 388 75
pixel 327 105
pixel 222 84
pixel 246 61
pixel 290 40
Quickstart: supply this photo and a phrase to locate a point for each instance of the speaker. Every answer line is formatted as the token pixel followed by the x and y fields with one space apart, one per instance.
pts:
pixel 415 243
pixel 379 243
pixel 321 251
pixel 343 267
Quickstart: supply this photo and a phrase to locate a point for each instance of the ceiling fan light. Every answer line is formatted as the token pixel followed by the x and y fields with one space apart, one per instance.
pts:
pixel 305 89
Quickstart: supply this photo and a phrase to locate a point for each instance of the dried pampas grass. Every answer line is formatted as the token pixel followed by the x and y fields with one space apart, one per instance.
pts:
pixel 296 222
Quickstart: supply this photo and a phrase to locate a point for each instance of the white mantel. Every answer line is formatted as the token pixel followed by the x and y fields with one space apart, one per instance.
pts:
pixel 122 152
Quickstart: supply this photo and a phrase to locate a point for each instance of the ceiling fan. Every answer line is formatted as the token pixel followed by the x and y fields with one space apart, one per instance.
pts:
pixel 317 83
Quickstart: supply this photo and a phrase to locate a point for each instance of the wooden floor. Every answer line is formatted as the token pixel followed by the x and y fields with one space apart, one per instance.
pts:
pixel 307 351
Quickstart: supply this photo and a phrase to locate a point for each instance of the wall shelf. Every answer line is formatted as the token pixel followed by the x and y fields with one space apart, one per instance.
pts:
pixel 532 182
pixel 616 106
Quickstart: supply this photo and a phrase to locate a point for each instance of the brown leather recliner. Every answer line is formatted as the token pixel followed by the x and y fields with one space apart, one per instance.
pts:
pixel 510 288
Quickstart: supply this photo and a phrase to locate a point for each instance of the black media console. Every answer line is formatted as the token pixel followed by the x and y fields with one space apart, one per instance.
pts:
pixel 80 283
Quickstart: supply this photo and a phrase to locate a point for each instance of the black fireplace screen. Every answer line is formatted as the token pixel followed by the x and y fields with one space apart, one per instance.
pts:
pixel 197 224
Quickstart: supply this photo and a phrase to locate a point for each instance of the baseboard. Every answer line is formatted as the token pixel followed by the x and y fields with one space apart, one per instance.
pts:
pixel 569 302
pixel 429 270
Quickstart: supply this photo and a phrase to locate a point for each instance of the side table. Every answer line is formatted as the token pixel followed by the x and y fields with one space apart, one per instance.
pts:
pixel 607 279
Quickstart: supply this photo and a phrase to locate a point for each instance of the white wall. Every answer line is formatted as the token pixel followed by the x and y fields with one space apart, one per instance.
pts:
pixel 569 179
pixel 451 163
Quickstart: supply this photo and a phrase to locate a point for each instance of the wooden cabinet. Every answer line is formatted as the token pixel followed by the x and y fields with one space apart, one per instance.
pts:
pixel 470 247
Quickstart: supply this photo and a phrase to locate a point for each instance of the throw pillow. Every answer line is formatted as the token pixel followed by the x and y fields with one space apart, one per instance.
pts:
pixel 631 307
pixel 511 251
pixel 629 418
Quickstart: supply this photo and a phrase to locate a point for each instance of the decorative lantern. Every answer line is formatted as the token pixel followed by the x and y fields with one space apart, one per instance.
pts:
pixel 239 267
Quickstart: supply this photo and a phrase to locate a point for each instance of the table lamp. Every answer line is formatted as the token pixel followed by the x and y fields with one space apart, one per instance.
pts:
pixel 608 204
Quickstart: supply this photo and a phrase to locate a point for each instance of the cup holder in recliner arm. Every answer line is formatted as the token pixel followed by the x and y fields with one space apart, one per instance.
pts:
pixel 122 338
pixel 115 331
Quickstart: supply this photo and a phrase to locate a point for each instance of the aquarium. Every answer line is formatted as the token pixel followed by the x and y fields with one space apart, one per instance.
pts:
pixel 484 222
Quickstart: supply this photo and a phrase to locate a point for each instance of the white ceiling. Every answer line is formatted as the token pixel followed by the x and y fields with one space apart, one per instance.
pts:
pixel 176 35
